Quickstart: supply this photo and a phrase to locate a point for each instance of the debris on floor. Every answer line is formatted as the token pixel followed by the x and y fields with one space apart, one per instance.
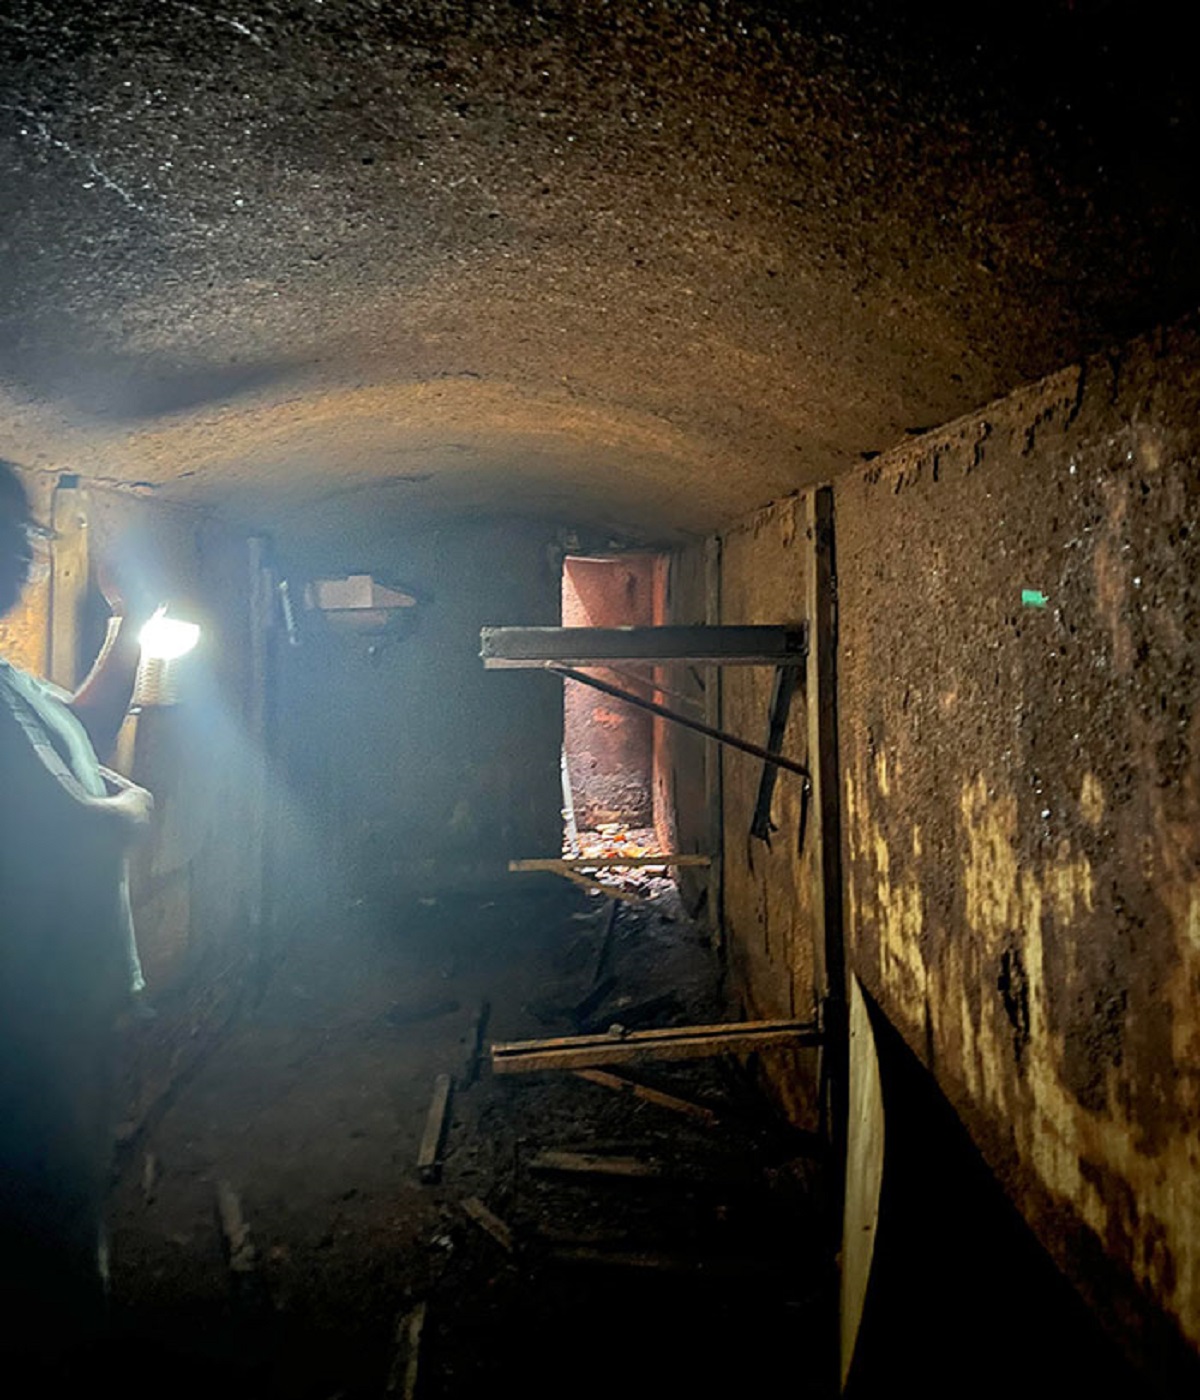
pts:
pixel 423 1227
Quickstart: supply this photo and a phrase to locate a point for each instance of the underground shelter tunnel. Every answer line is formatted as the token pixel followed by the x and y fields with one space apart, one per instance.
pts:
pixel 599 701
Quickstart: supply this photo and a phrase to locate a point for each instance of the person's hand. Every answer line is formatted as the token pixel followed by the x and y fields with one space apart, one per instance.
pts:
pixel 134 805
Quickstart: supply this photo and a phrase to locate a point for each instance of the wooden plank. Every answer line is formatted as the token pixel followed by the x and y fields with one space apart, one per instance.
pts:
pixel 675 1043
pixel 559 865
pixel 239 1244
pixel 866 1136
pixel 405 1369
pixel 621 1085
pixel 714 757
pixel 592 1164
pixel 429 1157
pixel 489 1222
pixel 475 1040
pixel 828 933
pixel 507 647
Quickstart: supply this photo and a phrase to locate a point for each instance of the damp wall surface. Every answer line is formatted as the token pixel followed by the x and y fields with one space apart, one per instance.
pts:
pixel 759 895
pixel 1019 616
pixel 408 765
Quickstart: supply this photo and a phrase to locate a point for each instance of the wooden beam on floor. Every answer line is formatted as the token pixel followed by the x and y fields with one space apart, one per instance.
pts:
pixel 595 1164
pixel 429 1157
pixel 621 1085
pixel 510 647
pixel 676 1043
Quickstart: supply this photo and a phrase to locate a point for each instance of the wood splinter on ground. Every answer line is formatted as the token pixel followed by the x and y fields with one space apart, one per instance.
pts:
pixel 489 1222
pixel 429 1157
pixel 404 1373
pixel 622 1085
pixel 243 1257
pixel 149 1177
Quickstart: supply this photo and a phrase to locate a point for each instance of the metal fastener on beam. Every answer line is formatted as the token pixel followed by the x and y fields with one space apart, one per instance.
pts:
pixel 678 1043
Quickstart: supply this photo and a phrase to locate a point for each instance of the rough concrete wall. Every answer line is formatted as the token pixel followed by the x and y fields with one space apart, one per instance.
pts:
pixel 1022 803
pixel 416 766
pixel 767 889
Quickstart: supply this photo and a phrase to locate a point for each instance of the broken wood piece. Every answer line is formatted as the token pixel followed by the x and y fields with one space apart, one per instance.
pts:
pixel 243 1257
pixel 622 1085
pixel 593 886
pixel 475 1040
pixel 404 1372
pixel 560 865
pixel 590 1164
pixel 429 1157
pixel 674 1043
pixel 149 1177
pixel 489 1222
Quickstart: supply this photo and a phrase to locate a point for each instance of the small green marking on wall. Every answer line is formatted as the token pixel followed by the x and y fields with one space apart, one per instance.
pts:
pixel 1033 598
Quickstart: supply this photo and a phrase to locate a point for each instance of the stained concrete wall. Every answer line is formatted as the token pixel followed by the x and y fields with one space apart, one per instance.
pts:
pixel 411 766
pixel 761 898
pixel 1019 609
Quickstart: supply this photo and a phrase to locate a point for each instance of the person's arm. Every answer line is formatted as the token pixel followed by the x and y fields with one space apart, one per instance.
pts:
pixel 102 699
pixel 36 775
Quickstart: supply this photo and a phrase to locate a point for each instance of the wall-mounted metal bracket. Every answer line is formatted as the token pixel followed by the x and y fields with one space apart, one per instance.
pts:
pixel 787 682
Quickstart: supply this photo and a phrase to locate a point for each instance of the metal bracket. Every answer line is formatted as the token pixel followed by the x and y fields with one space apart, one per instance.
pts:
pixel 787 682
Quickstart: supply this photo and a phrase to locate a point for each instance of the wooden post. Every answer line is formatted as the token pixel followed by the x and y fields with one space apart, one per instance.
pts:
pixel 714 757
pixel 829 939
pixel 68 580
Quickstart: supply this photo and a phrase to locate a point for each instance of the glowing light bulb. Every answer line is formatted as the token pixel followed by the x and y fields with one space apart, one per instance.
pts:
pixel 167 638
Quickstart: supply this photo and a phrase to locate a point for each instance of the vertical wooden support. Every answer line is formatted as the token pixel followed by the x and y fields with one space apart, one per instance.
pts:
pixel 713 753
pixel 829 951
pixel 261 597
pixel 68 580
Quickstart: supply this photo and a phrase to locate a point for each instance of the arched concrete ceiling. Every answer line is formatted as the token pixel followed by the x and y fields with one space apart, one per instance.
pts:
pixel 638 263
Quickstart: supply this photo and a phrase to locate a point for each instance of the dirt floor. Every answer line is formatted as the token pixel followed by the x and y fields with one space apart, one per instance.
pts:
pixel 713 1272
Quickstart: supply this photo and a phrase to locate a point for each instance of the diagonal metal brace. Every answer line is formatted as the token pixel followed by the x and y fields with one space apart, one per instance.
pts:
pixel 787 681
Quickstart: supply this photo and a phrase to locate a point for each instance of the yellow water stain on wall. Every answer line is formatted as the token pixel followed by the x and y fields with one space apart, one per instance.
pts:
pixel 1052 1131
pixel 1091 800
